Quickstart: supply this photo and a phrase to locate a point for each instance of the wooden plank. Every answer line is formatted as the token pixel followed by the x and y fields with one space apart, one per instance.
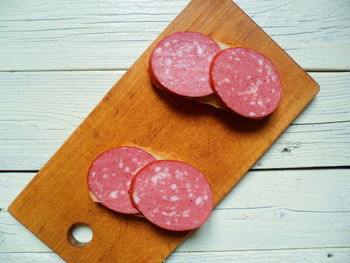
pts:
pixel 40 109
pixel 334 255
pixel 112 34
pixel 217 142
pixel 30 258
pixel 315 145
pixel 11 184
pixel 263 211
pixel 67 97
pixel 227 229
pixel 300 146
pixel 339 255
pixel 238 229
pixel 319 190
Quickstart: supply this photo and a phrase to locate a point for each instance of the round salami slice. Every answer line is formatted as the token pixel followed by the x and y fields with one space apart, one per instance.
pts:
pixel 180 63
pixel 110 176
pixel 172 195
pixel 246 81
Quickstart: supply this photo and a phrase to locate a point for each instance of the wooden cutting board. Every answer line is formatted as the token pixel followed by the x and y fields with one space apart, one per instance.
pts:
pixel 223 146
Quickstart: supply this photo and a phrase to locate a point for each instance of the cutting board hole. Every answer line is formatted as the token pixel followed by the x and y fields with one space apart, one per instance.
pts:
pixel 80 234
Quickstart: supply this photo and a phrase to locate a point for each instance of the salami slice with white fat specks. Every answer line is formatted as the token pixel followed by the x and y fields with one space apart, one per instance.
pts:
pixel 246 81
pixel 110 176
pixel 180 63
pixel 172 195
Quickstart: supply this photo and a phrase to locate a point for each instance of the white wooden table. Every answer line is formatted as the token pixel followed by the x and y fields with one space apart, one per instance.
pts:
pixel 57 60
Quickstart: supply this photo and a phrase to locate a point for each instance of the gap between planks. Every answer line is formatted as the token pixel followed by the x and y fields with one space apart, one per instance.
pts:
pixel 311 70
pixel 253 169
pixel 311 255
pixel 216 251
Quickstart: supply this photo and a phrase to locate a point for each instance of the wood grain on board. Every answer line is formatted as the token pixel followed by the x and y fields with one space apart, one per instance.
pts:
pixel 223 146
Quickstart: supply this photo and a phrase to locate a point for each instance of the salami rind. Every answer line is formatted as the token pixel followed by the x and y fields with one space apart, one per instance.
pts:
pixel 180 63
pixel 246 81
pixel 173 195
pixel 110 175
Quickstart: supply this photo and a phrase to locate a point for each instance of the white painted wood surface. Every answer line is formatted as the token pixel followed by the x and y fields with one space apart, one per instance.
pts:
pixel 58 58
pixel 112 34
